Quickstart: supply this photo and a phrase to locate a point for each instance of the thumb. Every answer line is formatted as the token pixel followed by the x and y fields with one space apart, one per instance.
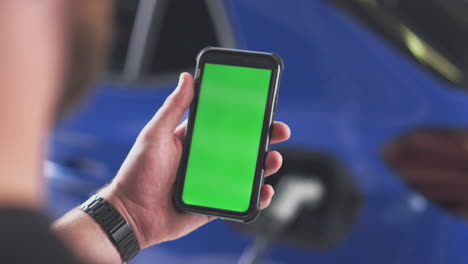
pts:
pixel 171 112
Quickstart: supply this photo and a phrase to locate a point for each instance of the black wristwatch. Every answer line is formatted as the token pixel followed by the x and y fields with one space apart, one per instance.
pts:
pixel 115 226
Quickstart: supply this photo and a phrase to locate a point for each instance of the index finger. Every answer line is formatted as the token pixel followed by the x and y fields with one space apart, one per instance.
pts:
pixel 280 132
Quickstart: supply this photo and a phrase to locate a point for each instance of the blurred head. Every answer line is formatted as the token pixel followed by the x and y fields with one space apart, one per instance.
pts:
pixel 89 36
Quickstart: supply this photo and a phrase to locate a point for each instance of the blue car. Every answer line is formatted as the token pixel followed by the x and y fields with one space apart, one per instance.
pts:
pixel 370 89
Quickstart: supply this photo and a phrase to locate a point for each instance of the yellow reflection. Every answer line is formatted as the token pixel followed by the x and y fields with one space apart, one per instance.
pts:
pixel 426 54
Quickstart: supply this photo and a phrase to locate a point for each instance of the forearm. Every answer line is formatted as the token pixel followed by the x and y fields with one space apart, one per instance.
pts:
pixel 86 238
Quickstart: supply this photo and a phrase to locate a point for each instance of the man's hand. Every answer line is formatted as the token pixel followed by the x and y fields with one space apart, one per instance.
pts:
pixel 143 188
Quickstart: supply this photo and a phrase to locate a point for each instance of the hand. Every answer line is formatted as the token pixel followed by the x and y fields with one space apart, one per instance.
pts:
pixel 143 188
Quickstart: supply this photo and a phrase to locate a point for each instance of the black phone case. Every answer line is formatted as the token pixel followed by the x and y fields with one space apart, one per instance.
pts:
pixel 240 58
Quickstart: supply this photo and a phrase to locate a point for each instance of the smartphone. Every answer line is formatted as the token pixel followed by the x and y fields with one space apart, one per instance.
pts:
pixel 227 138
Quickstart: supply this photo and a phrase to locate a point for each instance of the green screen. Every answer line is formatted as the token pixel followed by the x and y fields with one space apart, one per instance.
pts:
pixel 226 137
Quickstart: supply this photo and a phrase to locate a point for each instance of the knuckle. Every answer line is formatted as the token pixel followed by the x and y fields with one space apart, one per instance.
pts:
pixel 175 102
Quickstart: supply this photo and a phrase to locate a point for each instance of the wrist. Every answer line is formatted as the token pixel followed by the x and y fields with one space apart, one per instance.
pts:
pixel 117 229
pixel 112 196
pixel 85 238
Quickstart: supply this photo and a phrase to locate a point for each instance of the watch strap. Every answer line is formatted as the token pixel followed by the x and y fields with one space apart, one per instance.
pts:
pixel 117 229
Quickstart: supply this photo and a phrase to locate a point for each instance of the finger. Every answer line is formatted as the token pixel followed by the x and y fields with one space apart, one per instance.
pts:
pixel 180 130
pixel 169 115
pixel 273 162
pixel 197 220
pixel 280 132
pixel 266 196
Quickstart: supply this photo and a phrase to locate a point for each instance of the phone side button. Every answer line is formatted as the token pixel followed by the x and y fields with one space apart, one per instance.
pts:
pixel 262 181
pixel 267 142
pixel 276 104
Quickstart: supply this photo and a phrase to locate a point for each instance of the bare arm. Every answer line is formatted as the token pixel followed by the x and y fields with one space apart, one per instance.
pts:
pixel 86 238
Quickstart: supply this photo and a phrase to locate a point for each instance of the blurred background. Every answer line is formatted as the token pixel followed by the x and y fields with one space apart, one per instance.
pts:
pixel 375 92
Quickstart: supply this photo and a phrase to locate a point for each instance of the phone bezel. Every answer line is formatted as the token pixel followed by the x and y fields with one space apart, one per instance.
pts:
pixel 237 58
